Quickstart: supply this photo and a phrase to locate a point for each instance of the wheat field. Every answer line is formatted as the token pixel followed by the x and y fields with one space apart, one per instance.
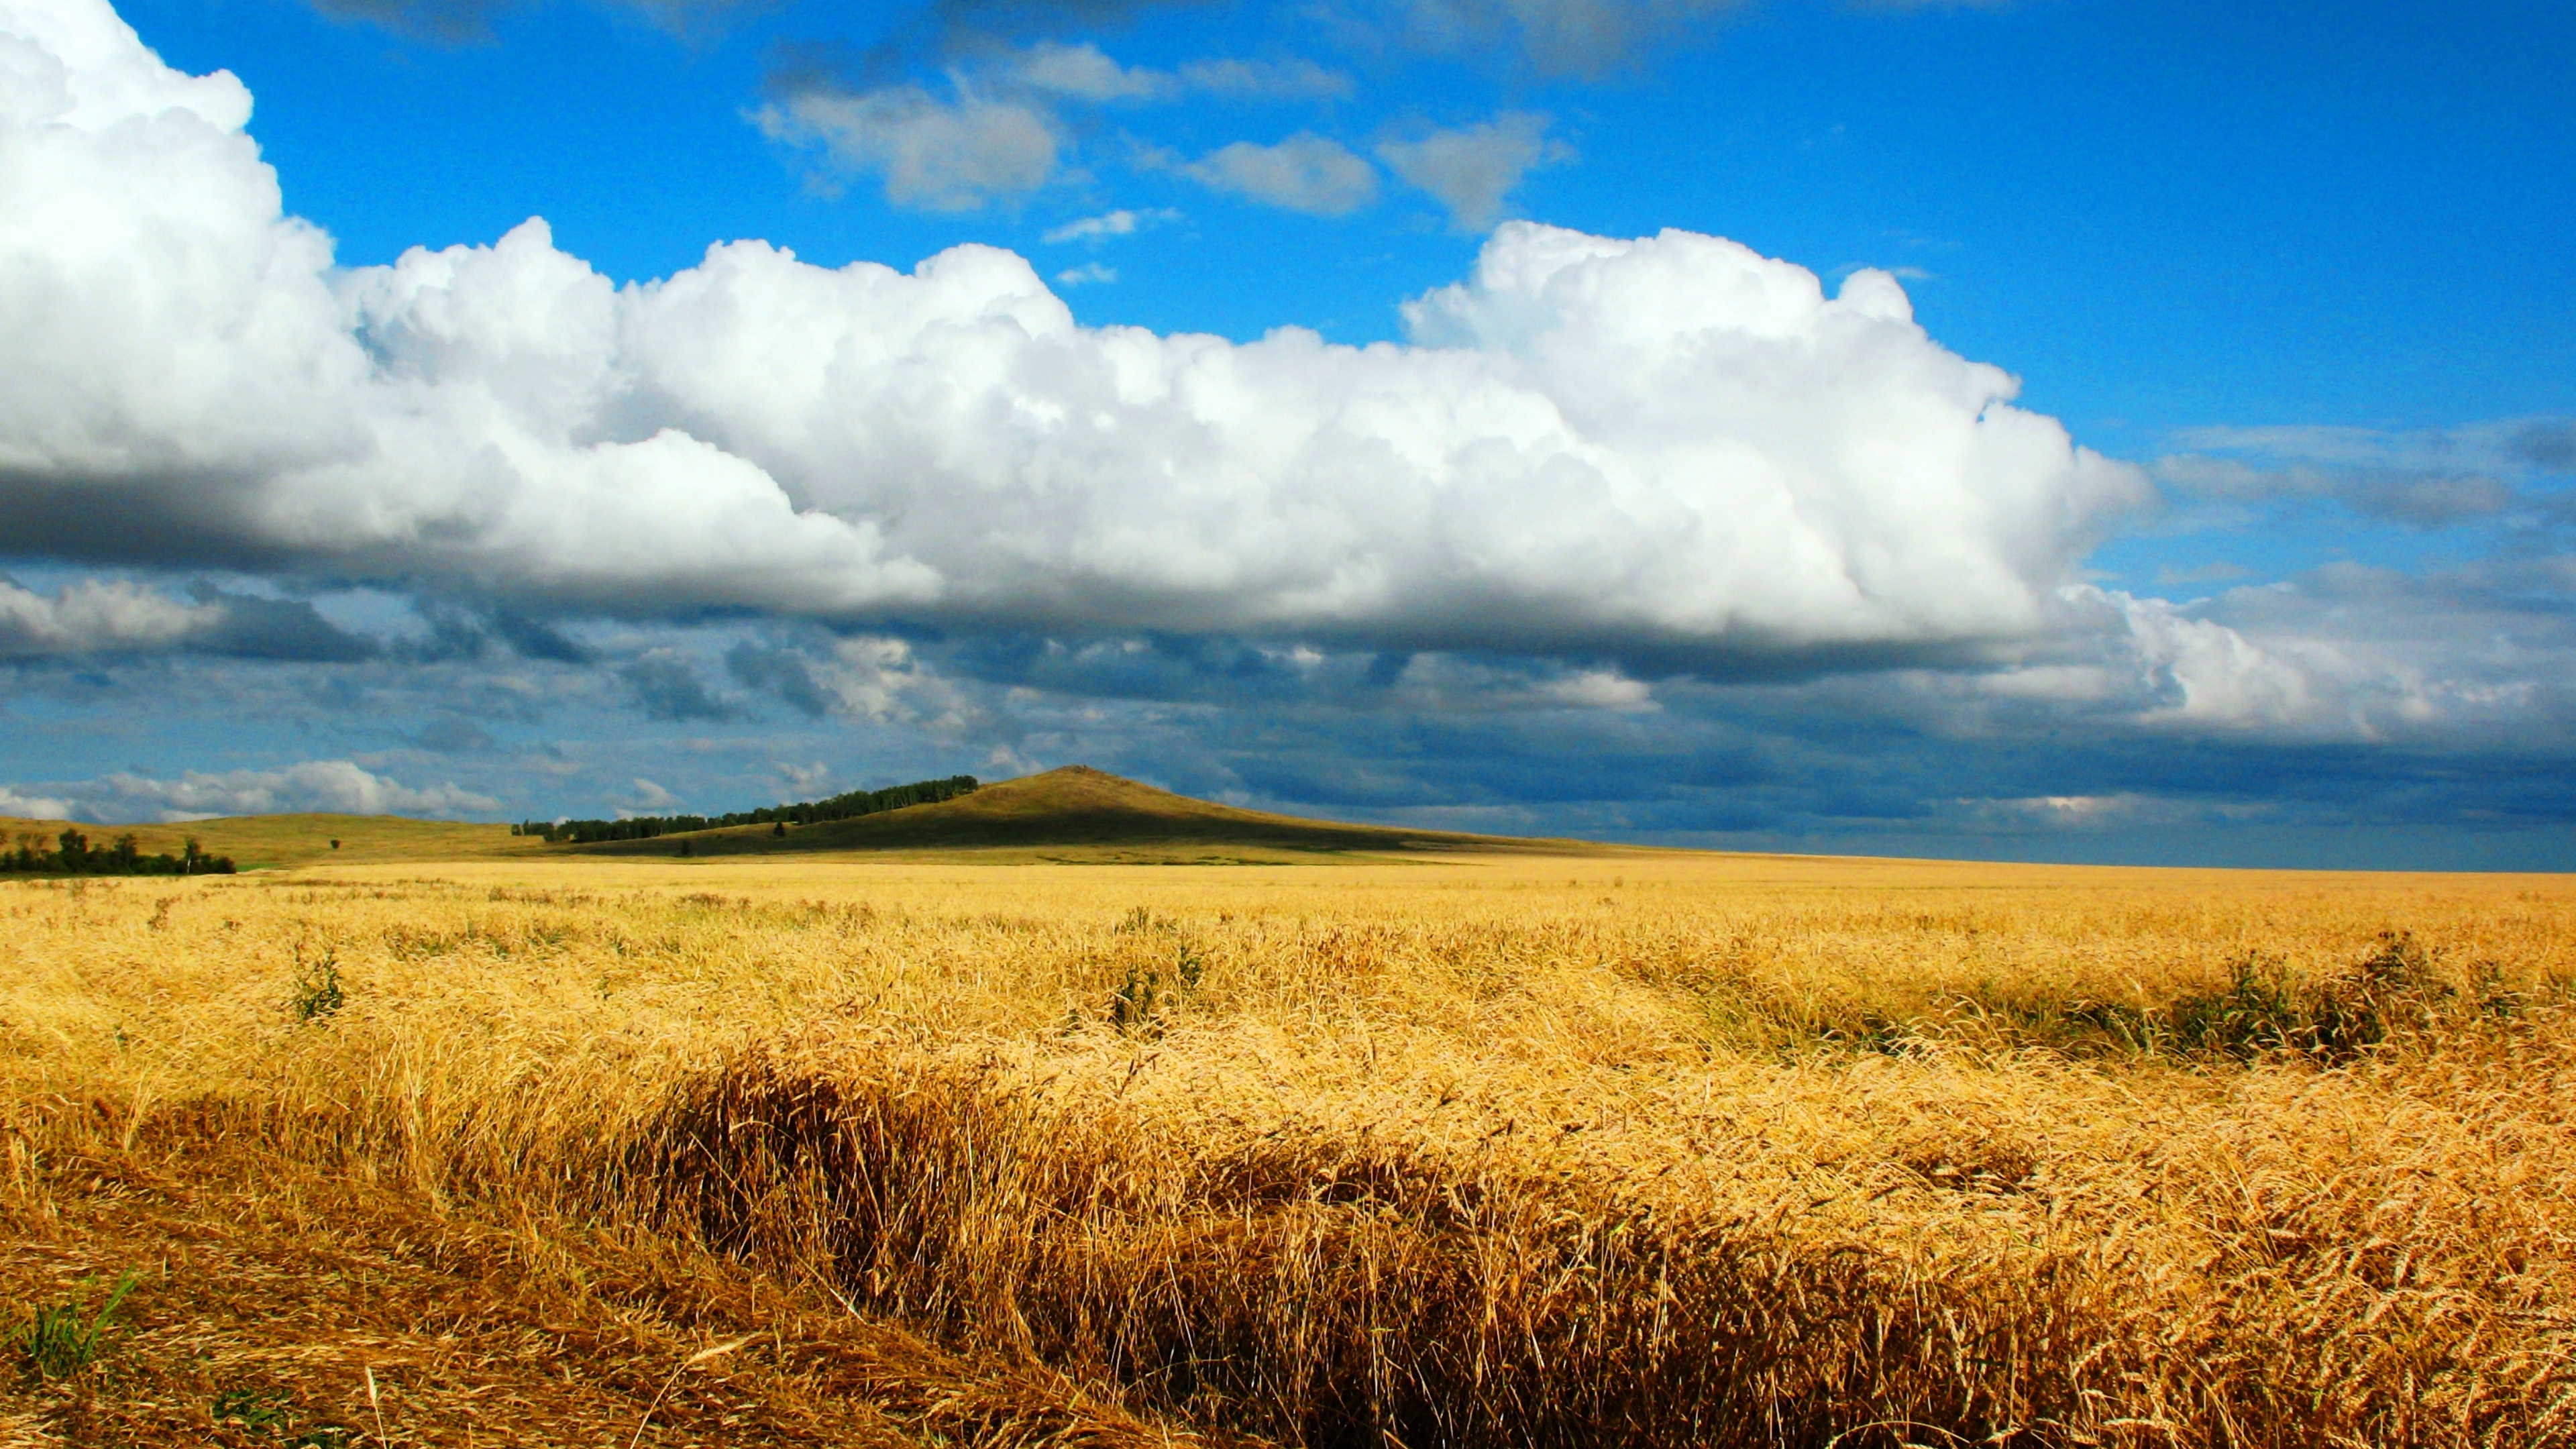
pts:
pixel 1642 1149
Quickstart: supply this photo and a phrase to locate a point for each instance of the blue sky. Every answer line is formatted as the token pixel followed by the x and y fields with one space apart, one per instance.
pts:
pixel 2255 550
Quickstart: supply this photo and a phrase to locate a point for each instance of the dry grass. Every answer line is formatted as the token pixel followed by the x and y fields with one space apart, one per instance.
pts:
pixel 1645 1150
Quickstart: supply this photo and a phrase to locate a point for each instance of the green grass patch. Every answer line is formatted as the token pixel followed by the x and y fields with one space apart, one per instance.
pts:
pixel 270 1412
pixel 59 1341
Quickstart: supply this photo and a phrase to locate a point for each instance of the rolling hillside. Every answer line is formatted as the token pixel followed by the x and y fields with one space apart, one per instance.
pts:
pixel 263 842
pixel 1079 813
pixel 1073 813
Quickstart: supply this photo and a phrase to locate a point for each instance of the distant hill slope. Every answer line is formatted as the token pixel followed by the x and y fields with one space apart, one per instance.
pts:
pixel 257 842
pixel 1092 812
pixel 1075 813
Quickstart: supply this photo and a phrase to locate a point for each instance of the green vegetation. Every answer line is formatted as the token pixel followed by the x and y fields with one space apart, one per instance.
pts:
pixel 252 1408
pixel 74 855
pixel 266 1411
pixel 808 812
pixel 59 1341
pixel 317 987
pixel 2264 1009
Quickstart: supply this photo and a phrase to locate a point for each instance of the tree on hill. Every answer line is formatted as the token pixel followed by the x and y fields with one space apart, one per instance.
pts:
pixel 779 817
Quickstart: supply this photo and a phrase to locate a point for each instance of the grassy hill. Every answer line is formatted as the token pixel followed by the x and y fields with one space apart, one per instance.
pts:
pixel 1072 814
pixel 1078 813
pixel 259 842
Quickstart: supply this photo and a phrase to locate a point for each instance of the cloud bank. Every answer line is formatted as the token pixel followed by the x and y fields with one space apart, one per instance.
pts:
pixel 94 616
pixel 334 786
pixel 1591 444
pixel 89 617
pixel 2422 480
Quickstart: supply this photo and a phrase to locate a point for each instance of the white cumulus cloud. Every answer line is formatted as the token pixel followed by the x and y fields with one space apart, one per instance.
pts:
pixel 33 807
pixel 645 797
pixel 92 616
pixel 2284 667
pixel 2209 674
pixel 880 679
pixel 1669 444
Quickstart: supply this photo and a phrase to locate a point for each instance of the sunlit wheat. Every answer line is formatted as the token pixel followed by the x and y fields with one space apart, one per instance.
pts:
pixel 1651 1150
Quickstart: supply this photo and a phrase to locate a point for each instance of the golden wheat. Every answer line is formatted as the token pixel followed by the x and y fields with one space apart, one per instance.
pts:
pixel 1657 1150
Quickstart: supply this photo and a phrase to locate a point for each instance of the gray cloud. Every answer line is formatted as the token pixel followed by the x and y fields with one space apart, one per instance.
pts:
pixel 2428 478
pixel 2501 446
pixel 449 20
pixel 1474 169
pixel 469 629
pixel 1083 72
pixel 454 735
pixel 1306 172
pixel 952 153
pixel 666 688
pixel 1266 80
pixel 454 631
pixel 145 514
pixel 1906 761
pixel 95 616
pixel 995 133
pixel 783 672
pixel 1554 37
pixel 2398 745
pixel 2549 446
pixel 249 627
pixel 951 29
pixel 458 21
pixel 2421 499
pixel 2428 501
pixel 535 638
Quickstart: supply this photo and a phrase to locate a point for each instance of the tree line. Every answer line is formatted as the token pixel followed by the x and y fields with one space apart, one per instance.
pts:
pixel 806 812
pixel 74 855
